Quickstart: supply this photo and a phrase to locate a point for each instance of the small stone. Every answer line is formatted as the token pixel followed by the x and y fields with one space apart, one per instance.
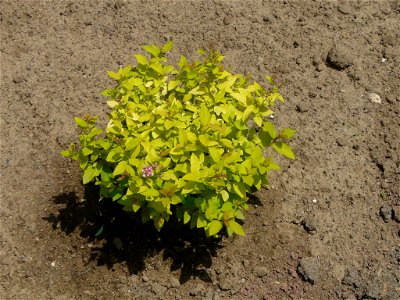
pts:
pixel 224 283
pixel 260 271
pixel 245 263
pixel 396 213
pixel 386 212
pixel 174 282
pixel 227 20
pixel 308 269
pixel 374 98
pixel 117 243
pixel 158 289
pixel 53 264
pixel 352 279
pixel 341 142
pixel 339 57
pixel 310 225
pixel 343 9
pixel 373 292
pixel 390 99
pixel 301 108
pixel 145 278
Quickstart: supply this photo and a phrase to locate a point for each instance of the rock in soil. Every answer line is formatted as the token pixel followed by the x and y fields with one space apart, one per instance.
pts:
pixel 339 57
pixel 260 271
pixel 310 225
pixel 308 269
pixel 374 98
pixel 224 283
pixel 386 212
pixel 352 279
pixel 396 213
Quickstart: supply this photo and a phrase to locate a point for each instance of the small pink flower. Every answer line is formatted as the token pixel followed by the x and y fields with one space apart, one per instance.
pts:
pixel 147 171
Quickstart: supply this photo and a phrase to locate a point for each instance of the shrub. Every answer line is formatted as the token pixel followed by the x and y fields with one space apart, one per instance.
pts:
pixel 188 141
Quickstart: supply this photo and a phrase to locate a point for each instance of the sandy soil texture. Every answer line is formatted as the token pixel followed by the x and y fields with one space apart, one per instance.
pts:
pixel 328 226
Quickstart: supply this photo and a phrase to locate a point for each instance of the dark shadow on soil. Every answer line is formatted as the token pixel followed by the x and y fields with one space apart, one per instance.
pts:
pixel 124 239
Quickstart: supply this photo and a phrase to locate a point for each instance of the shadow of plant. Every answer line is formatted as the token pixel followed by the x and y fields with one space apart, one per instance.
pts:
pixel 124 239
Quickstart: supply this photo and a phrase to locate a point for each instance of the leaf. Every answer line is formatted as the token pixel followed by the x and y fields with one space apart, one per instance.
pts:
pixel 201 222
pixel 173 84
pixel 205 116
pixel 216 153
pixel 249 109
pixel 167 46
pixel 195 164
pixel 287 133
pixel 239 215
pixel 186 217
pixel 153 50
pixel 100 231
pixel 239 188
pixel 270 129
pixel 88 174
pixel 66 153
pixel 236 227
pixel 151 193
pixel 227 206
pixel 113 75
pixel 258 120
pixel 225 195
pixel 120 168
pixel 81 122
pixel 141 59
pixel 214 227
pixel 158 68
pixel 125 71
pixel 283 149
pixel 86 151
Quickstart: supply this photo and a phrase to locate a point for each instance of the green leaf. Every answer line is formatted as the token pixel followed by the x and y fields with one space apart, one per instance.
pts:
pixel 195 164
pixel 167 46
pixel 258 120
pixel 100 231
pixel 158 68
pixel 113 75
pixel 120 168
pixel 225 195
pixel 88 174
pixel 287 133
pixel 201 222
pixel 270 129
pixel 186 217
pixel 214 227
pixel 205 116
pixel 141 59
pixel 236 227
pixel 283 149
pixel 227 206
pixel 153 50
pixel 66 153
pixel 239 188
pixel 239 215
pixel 81 123
pixel 249 109
pixel 216 153
pixel 86 151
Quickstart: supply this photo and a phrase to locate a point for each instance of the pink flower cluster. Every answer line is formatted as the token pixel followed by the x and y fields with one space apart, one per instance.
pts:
pixel 147 171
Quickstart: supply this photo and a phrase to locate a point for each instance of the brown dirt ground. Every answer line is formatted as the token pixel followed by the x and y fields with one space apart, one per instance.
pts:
pixel 329 206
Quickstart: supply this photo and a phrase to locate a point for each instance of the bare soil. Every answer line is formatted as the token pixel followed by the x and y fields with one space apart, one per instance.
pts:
pixel 326 228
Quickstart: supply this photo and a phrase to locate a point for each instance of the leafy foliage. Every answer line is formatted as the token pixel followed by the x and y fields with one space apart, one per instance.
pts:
pixel 181 140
